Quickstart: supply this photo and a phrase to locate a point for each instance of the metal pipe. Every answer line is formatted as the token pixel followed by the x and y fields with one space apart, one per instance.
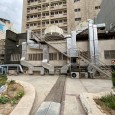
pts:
pixel 91 41
pixel 96 46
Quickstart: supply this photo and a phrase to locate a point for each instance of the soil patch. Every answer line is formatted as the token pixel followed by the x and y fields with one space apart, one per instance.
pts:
pixel 10 98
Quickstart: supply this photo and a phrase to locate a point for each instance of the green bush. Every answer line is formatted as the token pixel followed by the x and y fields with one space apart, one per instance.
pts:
pixel 4 99
pixel 109 101
pixel 19 94
pixel 113 78
pixel 13 101
pixel 3 79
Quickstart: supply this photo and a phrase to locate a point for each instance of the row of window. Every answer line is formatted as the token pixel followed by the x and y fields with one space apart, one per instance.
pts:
pixel 15 57
pixel 55 13
pixel 47 4
pixel 109 54
pixel 45 7
pixel 39 24
pixel 52 56
pixel 78 9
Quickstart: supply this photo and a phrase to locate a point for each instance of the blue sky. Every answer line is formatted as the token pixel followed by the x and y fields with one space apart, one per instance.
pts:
pixel 12 10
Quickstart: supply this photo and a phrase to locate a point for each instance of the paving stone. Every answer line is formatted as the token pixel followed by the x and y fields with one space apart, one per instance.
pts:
pixel 49 108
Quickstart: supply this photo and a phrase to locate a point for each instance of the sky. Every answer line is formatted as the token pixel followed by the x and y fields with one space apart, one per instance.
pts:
pixel 12 10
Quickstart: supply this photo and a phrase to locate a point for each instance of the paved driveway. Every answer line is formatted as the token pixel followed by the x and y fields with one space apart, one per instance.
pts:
pixel 76 86
pixel 42 84
pixel 72 104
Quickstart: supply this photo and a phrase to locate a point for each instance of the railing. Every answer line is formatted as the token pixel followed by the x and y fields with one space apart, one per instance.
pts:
pixel 101 64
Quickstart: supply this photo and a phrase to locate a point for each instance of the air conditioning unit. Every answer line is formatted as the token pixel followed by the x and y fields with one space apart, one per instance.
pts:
pixel 75 75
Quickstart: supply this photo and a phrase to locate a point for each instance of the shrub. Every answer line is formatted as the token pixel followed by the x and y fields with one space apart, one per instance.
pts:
pixel 4 99
pixel 19 94
pixel 3 79
pixel 113 78
pixel 13 101
pixel 109 101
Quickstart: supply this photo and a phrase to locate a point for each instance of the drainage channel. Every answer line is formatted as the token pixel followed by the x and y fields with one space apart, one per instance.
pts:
pixel 53 101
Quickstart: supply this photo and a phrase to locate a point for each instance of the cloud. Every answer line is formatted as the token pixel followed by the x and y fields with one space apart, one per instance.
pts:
pixel 12 10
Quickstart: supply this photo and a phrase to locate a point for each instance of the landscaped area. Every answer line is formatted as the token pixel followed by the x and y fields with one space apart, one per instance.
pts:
pixel 10 96
pixel 107 104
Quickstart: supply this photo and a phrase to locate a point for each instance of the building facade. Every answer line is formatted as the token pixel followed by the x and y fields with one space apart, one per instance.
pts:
pixel 66 14
pixel 4 25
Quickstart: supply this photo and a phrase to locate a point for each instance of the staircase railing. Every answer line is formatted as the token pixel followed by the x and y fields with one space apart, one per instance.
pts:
pixel 101 65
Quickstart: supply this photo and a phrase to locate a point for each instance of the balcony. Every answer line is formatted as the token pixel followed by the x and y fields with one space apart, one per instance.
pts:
pixel 33 3
pixel 63 6
pixel 58 16
pixel 33 11
pixel 36 27
pixel 33 19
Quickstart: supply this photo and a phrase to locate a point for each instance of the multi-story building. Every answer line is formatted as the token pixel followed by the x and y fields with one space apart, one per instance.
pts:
pixel 67 14
pixel 4 25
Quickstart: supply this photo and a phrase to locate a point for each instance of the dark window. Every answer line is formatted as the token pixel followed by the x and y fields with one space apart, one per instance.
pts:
pixel 53 56
pixel 77 19
pixel 76 0
pixel 109 54
pixel 77 10
pixel 97 7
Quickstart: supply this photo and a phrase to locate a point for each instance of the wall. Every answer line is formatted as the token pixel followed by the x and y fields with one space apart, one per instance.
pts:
pixel 13 48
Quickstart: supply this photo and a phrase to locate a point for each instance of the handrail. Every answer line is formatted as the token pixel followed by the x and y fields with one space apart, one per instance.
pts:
pixel 100 62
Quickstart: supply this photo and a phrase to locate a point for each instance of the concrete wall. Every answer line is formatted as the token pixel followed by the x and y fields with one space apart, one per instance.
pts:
pixel 83 45
pixel 103 45
pixel 13 47
pixel 107 13
pixel 106 45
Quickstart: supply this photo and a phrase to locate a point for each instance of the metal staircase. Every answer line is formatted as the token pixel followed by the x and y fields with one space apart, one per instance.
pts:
pixel 101 67
pixel 59 46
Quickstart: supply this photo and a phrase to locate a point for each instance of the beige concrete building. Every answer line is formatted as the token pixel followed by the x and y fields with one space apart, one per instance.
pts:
pixel 4 25
pixel 66 14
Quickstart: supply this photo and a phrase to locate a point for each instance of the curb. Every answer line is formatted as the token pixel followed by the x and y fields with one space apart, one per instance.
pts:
pixel 26 103
pixel 89 105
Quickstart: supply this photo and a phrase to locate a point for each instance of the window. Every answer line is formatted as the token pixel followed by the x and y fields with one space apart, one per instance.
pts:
pixel 15 57
pixel 62 57
pixel 76 0
pixel 77 19
pixel 97 7
pixel 77 10
pixel 109 54
pixel 34 57
pixel 53 56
